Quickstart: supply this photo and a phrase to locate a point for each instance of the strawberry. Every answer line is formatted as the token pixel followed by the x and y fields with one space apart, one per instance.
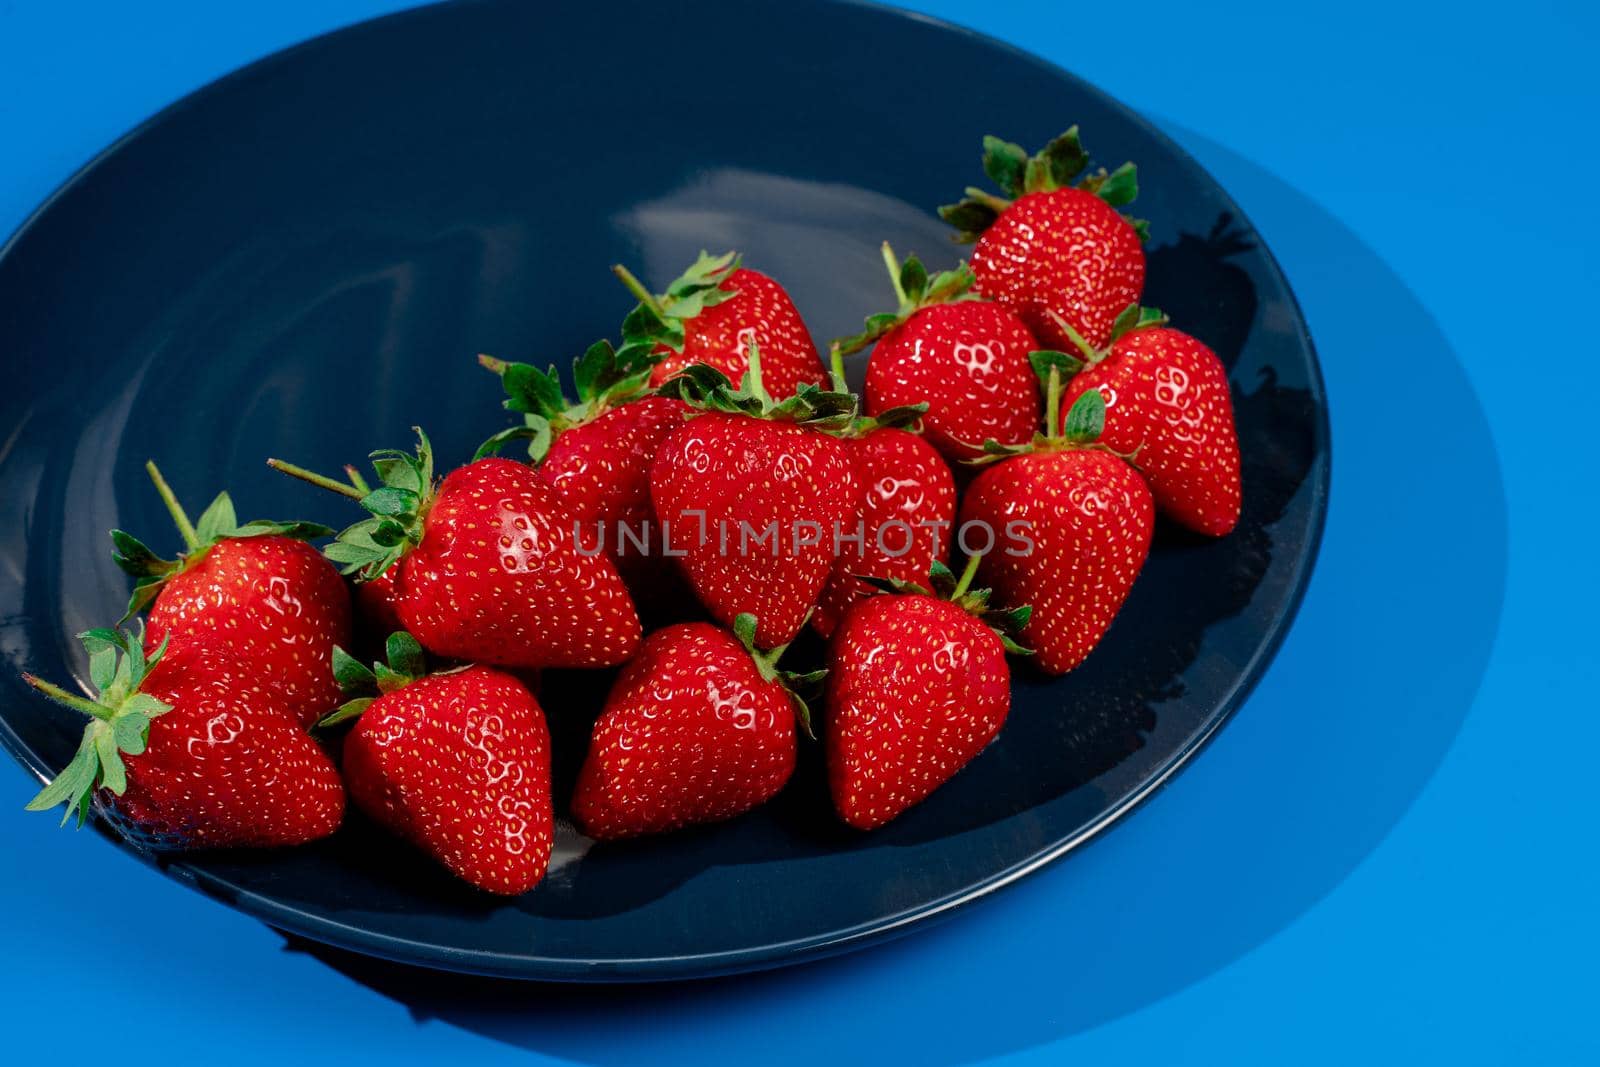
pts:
pixel 712 314
pixel 908 510
pixel 457 763
pixel 698 728
pixel 191 747
pixel 1054 248
pixel 1076 521
pixel 1168 401
pixel 257 590
pixel 753 494
pixel 488 564
pixel 966 358
pixel 596 453
pixel 917 686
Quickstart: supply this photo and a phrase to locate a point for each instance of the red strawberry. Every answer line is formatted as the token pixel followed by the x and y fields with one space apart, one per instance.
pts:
pixel 256 590
pixel 699 727
pixel 751 496
pixel 712 314
pixel 917 686
pixel 457 763
pixel 1168 402
pixel 192 748
pixel 490 569
pixel 1073 525
pixel 965 358
pixel 596 453
pixel 908 511
pixel 1055 248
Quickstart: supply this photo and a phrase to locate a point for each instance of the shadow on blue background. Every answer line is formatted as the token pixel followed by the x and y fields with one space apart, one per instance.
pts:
pixel 1341 735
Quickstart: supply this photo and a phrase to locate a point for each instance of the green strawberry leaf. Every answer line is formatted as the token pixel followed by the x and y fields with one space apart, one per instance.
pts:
pixel 351 709
pixel 405 655
pixel 1133 317
pixel 532 391
pixel 134 558
pixel 1045 360
pixel 352 675
pixel 113 775
pixel 913 279
pixel 1004 163
pixel 1063 159
pixel 103 666
pixel 399 472
pixel 1086 419
pixel 76 783
pixel 217 520
pixel 390 501
pixel 970 217
pixel 1120 187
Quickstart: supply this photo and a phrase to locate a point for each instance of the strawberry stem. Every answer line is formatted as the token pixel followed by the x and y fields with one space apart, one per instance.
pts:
pixel 1052 405
pixel 71 700
pixel 836 361
pixel 967 574
pixel 753 376
pixel 319 480
pixel 1088 351
pixel 636 287
pixel 893 264
pixel 170 499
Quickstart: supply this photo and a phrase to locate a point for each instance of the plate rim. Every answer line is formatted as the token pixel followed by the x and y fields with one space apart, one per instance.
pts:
pixel 534 968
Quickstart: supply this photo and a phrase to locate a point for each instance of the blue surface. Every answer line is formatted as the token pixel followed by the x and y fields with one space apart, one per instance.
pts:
pixel 1388 855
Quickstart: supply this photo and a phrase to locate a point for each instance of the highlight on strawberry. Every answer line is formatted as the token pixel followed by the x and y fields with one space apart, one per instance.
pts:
pixel 257 590
pixel 1055 244
pixel 487 563
pixel 457 762
pixel 191 747
pixel 917 686
pixel 711 314
pixel 944 346
pixel 698 728
pixel 1090 520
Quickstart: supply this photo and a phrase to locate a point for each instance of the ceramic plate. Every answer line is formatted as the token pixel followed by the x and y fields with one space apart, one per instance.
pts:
pixel 303 258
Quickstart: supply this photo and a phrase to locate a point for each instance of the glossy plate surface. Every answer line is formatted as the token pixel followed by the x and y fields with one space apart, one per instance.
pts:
pixel 303 258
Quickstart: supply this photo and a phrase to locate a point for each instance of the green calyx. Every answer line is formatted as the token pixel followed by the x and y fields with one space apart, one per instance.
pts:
pixel 403 663
pixel 708 389
pixel 1061 164
pixel 119 720
pixel 658 319
pixel 605 377
pixel 801 686
pixel 944 585
pixel 915 289
pixel 218 522
pixel 398 507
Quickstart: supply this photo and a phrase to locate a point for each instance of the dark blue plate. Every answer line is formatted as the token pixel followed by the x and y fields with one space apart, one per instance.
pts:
pixel 303 258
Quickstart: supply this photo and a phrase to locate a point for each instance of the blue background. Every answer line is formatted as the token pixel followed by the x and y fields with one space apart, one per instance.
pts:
pixel 1388 855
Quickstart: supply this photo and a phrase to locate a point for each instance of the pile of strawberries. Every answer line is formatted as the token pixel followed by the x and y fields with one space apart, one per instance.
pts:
pixel 714 475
